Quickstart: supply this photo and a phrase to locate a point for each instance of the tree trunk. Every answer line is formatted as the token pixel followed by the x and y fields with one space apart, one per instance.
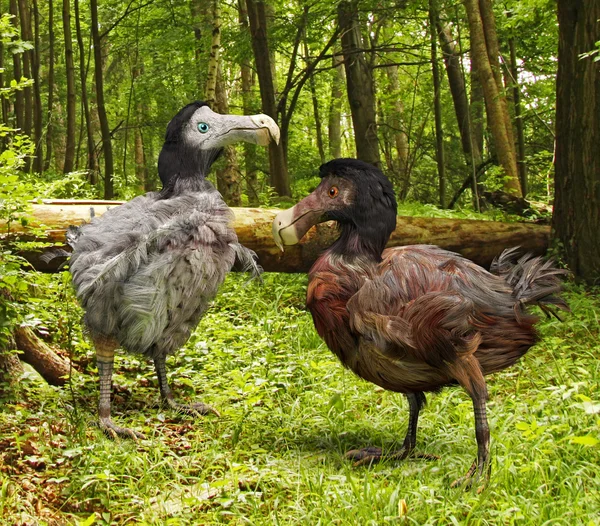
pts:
pixel 52 367
pixel 17 72
pixel 396 123
pixel 69 162
pixel 359 83
pixel 480 241
pixel 228 177
pixel 577 191
pixel 215 53
pixel 315 104
pixel 26 34
pixel 521 164
pixel 38 162
pixel 91 164
pixel 102 117
pixel 262 56
pixel 437 104
pixel 197 10
pixel 482 41
pixel 458 90
pixel 250 163
pixel 335 108
pixel 50 106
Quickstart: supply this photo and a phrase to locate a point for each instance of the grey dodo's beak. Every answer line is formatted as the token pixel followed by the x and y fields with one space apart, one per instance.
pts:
pixel 257 129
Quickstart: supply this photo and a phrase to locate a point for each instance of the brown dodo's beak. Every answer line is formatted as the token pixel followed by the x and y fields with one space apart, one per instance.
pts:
pixel 290 225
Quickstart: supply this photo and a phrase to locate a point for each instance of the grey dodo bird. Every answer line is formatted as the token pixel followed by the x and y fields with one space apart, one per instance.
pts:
pixel 146 271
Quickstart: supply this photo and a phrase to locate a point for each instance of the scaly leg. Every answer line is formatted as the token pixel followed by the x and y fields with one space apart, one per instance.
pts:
pixel 105 356
pixel 474 383
pixel 166 394
pixel 370 455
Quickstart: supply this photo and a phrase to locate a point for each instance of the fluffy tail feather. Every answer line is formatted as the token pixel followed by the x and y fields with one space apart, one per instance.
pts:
pixel 246 260
pixel 534 281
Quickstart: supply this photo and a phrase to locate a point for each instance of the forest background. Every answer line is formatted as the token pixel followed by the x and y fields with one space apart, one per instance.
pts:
pixel 480 109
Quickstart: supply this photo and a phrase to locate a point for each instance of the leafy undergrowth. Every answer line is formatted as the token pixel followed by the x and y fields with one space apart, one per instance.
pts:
pixel 289 411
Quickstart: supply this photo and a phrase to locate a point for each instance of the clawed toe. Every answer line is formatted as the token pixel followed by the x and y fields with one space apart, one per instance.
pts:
pixel 365 456
pixel 197 409
pixel 112 431
pixel 371 455
pixel 475 475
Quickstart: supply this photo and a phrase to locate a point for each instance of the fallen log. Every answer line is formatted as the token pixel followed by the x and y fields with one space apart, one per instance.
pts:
pixel 479 241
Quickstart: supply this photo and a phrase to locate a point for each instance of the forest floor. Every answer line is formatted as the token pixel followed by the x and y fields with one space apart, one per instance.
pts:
pixel 289 411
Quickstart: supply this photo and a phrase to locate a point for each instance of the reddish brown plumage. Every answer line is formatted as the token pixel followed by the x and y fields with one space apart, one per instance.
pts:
pixel 416 318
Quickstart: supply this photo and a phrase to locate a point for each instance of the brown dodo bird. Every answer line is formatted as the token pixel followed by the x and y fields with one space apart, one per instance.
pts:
pixel 416 318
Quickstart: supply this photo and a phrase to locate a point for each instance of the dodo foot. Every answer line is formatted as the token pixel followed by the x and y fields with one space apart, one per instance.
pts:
pixel 196 409
pixel 477 473
pixel 371 455
pixel 113 431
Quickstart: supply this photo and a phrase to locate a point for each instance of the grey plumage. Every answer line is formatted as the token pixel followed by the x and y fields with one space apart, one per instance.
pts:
pixel 146 271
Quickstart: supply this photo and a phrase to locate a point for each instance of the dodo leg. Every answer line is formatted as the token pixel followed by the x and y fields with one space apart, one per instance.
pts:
pixel 105 357
pixel 474 383
pixel 167 395
pixel 370 455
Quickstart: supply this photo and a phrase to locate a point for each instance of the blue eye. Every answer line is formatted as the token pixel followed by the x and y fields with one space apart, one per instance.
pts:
pixel 202 127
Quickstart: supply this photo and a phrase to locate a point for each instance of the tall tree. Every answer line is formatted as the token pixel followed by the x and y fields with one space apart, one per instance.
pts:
pixel 69 162
pixel 335 107
pixel 215 51
pixel 38 162
pixel 17 71
pixel 50 99
pixel 484 54
pixel 437 103
pixel 91 165
pixel 102 117
pixel 359 83
pixel 315 102
pixel 26 35
pixel 262 56
pixel 250 162
pixel 577 188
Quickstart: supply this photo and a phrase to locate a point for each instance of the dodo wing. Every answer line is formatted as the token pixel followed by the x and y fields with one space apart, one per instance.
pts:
pixel 412 310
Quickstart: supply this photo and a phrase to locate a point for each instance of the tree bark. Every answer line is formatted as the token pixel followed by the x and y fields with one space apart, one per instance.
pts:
pixel 577 183
pixel 396 123
pixel 228 177
pixel 458 90
pixel 514 72
pixel 262 56
pixel 335 108
pixel 315 104
pixel 27 56
pixel 38 124
pixel 91 164
pixel 480 241
pixel 215 53
pixel 482 43
pixel 102 117
pixel 50 104
pixel 359 83
pixel 52 367
pixel 250 163
pixel 17 71
pixel 437 104
pixel 69 162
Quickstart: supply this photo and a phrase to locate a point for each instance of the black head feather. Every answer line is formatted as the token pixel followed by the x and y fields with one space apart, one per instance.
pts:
pixel 177 161
pixel 371 216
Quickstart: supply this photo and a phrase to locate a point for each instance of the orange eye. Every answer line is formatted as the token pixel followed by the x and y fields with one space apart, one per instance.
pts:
pixel 333 192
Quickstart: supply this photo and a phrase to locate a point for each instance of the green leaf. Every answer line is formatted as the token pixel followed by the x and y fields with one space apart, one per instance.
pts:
pixel 587 440
pixel 89 521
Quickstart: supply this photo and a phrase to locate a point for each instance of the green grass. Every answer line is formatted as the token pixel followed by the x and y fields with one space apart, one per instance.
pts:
pixel 289 412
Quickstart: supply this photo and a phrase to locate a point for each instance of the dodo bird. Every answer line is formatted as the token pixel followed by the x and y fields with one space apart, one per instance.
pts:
pixel 416 318
pixel 146 271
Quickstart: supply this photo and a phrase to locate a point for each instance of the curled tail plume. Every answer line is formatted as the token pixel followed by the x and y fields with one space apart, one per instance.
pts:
pixel 534 281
